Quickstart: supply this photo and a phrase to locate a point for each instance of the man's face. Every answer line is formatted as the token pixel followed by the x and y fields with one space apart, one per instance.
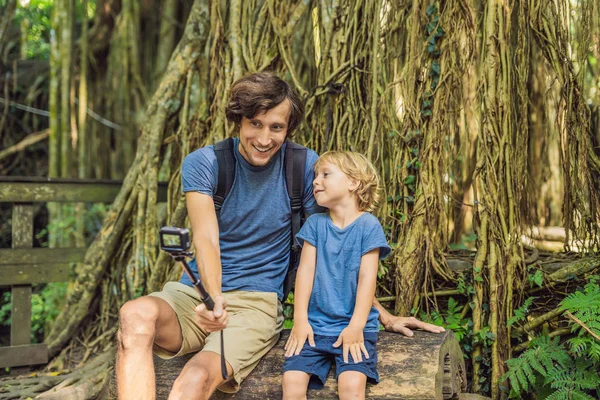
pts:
pixel 263 135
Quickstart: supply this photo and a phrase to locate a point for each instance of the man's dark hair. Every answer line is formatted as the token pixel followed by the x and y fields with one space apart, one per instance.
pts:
pixel 261 92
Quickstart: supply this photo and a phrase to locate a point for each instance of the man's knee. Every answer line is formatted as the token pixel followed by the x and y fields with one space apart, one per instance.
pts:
pixel 137 323
pixel 193 380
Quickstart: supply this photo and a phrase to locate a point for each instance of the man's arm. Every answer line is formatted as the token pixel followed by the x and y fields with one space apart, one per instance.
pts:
pixel 205 228
pixel 403 325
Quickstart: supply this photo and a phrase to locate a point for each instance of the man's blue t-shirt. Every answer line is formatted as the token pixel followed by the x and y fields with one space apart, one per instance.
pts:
pixel 255 219
pixel 339 253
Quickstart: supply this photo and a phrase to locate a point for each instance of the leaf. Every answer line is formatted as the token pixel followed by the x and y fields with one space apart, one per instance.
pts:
pixel 538 278
pixel 431 26
pixel 409 179
pixel 432 9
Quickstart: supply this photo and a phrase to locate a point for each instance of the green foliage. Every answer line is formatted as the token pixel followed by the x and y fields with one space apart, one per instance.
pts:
pixel 37 14
pixel 521 312
pixel 537 277
pixel 46 303
pixel 452 319
pixel 464 285
pixel 65 228
pixel 467 242
pixel 382 270
pixel 585 306
pixel 288 312
pixel 567 370
pixel 542 357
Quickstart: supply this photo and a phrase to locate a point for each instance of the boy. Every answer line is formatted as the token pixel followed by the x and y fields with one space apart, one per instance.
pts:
pixel 336 280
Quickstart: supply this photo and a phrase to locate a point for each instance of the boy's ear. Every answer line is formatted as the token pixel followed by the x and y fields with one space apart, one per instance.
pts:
pixel 354 184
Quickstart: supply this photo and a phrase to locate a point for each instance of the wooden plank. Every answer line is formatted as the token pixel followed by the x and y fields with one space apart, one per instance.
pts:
pixel 65 192
pixel 20 327
pixel 33 273
pixel 58 192
pixel 40 256
pixel 17 356
pixel 22 238
pixel 22 226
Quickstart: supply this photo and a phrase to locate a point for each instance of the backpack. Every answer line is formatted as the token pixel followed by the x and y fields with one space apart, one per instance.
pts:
pixel 294 164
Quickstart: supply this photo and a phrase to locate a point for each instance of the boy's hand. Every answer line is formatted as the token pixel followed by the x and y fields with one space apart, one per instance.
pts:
pixel 300 332
pixel 215 320
pixel 353 342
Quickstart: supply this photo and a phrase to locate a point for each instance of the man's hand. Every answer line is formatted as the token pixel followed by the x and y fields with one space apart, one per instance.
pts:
pixel 353 341
pixel 215 320
pixel 300 332
pixel 405 324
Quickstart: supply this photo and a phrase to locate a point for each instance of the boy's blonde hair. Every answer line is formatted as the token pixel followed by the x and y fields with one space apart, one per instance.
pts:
pixel 357 167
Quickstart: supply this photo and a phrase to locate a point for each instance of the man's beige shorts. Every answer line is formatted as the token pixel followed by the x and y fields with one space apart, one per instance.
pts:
pixel 255 321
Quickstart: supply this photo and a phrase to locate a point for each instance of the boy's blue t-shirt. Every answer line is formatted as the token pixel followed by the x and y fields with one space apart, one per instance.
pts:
pixel 255 219
pixel 339 253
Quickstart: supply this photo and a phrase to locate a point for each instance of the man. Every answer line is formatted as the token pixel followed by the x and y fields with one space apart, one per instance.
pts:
pixel 241 256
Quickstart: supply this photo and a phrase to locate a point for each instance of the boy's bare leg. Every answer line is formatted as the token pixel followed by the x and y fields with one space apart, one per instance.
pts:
pixel 352 385
pixel 200 377
pixel 141 322
pixel 295 384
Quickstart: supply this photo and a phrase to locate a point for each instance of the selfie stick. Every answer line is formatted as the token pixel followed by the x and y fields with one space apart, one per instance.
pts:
pixel 206 299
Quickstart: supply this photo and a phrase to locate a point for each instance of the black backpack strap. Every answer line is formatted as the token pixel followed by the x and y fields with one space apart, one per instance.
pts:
pixel 226 162
pixel 295 161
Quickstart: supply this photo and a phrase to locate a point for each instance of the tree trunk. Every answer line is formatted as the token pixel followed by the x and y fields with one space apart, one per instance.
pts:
pixel 425 366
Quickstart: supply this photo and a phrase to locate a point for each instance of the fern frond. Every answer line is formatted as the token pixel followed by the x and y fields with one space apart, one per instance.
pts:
pixel 578 345
pixel 566 394
pixel 544 356
pixel 594 351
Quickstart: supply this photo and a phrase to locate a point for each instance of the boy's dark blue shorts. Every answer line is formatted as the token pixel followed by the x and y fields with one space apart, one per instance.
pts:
pixel 316 361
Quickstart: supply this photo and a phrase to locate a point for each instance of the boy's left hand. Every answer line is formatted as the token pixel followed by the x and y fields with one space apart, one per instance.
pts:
pixel 353 341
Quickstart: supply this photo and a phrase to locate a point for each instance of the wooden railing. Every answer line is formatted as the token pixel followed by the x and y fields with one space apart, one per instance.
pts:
pixel 23 265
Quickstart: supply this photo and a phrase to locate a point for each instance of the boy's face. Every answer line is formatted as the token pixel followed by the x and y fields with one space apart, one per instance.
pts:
pixel 332 187
pixel 263 135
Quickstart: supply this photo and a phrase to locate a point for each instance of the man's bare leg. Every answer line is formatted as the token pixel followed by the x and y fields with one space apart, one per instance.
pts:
pixel 142 322
pixel 200 377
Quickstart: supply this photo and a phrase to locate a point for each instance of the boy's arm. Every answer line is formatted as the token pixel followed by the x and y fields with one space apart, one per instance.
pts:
pixel 352 337
pixel 367 282
pixel 304 282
